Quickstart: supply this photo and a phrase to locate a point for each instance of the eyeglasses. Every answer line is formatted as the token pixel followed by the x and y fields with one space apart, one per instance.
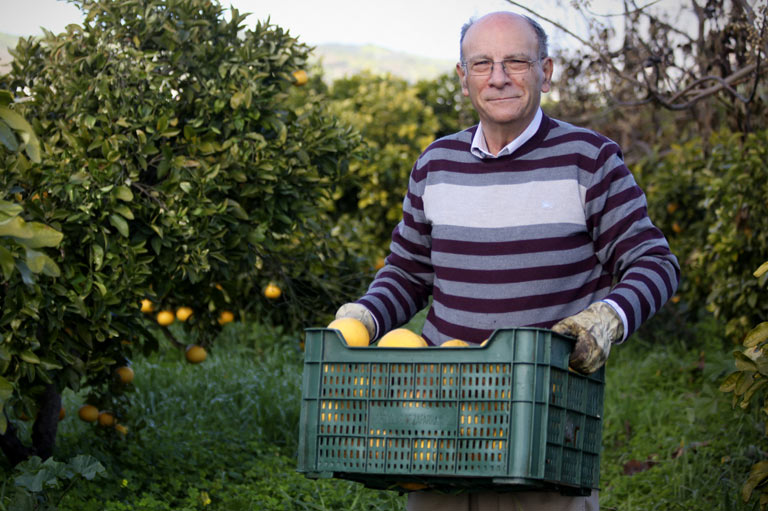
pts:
pixel 484 67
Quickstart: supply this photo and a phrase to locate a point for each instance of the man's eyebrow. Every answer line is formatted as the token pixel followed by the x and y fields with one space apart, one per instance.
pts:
pixel 509 56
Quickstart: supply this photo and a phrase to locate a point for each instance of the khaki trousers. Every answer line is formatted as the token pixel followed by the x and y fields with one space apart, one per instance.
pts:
pixel 489 501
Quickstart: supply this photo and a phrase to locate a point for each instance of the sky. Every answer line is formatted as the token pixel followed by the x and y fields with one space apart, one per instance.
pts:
pixel 420 27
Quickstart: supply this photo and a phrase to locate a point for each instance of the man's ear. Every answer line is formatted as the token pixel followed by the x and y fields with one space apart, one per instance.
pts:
pixel 462 79
pixel 547 67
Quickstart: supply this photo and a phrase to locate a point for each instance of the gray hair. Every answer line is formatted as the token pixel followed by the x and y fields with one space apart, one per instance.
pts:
pixel 541 36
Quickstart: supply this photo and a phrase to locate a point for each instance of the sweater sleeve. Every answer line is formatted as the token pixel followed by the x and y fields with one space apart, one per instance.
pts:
pixel 403 286
pixel 626 242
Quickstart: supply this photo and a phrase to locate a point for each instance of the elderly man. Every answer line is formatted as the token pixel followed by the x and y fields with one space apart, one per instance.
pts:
pixel 522 220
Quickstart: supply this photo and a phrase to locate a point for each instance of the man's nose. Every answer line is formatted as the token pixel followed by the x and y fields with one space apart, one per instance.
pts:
pixel 498 77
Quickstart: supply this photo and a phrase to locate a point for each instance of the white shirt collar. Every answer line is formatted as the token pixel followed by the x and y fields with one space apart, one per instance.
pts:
pixel 480 147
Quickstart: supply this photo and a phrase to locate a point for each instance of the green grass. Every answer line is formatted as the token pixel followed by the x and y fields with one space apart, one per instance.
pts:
pixel 222 435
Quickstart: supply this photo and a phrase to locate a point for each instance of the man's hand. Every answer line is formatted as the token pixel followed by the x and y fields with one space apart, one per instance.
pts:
pixel 595 329
pixel 359 312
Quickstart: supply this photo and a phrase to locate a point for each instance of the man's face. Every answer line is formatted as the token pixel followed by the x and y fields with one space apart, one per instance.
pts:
pixel 505 102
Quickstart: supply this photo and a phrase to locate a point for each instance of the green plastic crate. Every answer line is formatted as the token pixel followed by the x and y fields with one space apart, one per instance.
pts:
pixel 506 416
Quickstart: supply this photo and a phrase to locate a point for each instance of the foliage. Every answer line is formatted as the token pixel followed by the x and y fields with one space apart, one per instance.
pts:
pixel 396 126
pixel 747 384
pixel 711 209
pixel 664 418
pixel 453 110
pixel 39 484
pixel 173 164
pixel 218 436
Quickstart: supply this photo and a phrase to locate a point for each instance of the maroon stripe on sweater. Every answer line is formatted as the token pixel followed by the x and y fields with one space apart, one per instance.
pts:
pixel 422 228
pixel 465 333
pixel 628 310
pixel 516 275
pixel 630 276
pixel 656 268
pixel 645 306
pixel 493 248
pixel 629 244
pixel 617 229
pixel 602 186
pixel 520 303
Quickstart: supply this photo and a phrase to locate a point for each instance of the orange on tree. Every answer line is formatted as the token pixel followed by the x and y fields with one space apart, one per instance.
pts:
pixel 352 330
pixel 165 318
pixel 106 419
pixel 88 413
pixel 380 262
pixel 147 306
pixel 300 76
pixel 226 317
pixel 62 413
pixel 183 313
pixel 125 374
pixel 272 291
pixel 195 354
pixel 402 338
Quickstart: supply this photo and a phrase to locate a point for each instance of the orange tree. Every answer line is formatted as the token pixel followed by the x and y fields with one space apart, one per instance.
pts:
pixel 396 125
pixel 177 171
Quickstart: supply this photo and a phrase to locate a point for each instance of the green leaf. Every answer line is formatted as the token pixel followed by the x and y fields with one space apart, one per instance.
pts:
pixel 124 211
pixel 35 261
pixel 17 122
pixel 6 97
pixel 9 210
pixel 757 475
pixel 119 223
pixel 761 270
pixel 729 384
pixel 6 262
pixel 41 235
pixel 8 138
pixel 6 390
pixel 29 357
pixel 87 466
pixel 757 335
pixel 3 422
pixel 123 193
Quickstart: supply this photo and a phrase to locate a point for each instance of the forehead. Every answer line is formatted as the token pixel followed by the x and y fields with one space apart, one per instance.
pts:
pixel 501 35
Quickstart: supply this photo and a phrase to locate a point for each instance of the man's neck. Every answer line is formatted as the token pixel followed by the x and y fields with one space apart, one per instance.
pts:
pixel 498 137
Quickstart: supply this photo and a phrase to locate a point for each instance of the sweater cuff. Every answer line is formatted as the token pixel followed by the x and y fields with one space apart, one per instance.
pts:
pixel 623 317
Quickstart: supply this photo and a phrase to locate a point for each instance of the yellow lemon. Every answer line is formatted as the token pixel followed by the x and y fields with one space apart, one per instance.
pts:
pixel 165 318
pixel 454 343
pixel 183 313
pixel 352 330
pixel 402 338
pixel 195 354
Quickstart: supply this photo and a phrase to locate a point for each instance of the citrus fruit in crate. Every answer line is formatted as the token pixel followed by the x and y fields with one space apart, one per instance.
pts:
pixel 454 343
pixel 402 338
pixel 352 330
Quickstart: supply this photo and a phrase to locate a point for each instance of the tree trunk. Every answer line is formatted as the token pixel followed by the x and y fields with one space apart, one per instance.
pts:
pixel 43 431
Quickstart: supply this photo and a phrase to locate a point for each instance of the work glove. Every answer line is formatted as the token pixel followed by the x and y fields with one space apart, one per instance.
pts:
pixel 595 328
pixel 359 312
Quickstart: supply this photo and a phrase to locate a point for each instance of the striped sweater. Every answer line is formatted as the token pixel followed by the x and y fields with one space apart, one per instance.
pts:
pixel 521 240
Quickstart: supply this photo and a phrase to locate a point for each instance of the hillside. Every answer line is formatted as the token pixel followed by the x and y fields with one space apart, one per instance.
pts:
pixel 340 60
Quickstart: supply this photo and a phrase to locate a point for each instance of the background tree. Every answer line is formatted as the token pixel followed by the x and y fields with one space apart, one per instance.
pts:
pixel 177 170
